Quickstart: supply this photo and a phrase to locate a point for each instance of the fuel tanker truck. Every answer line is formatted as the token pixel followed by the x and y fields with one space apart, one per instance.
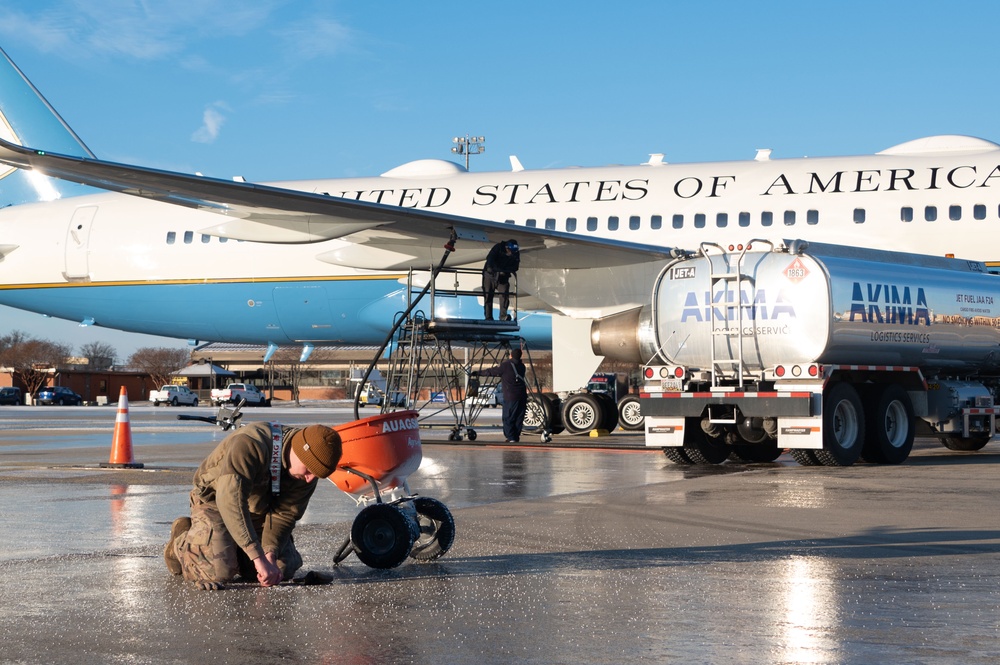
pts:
pixel 833 353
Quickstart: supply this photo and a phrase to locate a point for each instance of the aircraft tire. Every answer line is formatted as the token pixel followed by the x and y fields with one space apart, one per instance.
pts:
pixel 581 413
pixel 630 417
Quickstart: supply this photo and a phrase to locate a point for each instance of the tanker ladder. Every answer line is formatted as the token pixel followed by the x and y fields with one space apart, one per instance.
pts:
pixel 728 343
pixel 432 357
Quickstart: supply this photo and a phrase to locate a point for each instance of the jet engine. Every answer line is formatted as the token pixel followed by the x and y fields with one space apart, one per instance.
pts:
pixel 627 336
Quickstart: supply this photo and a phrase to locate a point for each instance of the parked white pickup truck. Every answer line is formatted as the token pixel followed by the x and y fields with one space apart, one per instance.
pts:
pixel 173 395
pixel 234 391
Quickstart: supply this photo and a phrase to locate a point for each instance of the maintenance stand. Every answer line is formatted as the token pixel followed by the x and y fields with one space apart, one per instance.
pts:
pixel 431 357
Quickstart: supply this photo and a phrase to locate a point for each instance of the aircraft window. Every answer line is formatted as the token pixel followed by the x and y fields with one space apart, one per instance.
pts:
pixel 171 237
pixel 655 222
pixel 508 221
pixel 930 213
pixel 979 211
pixel 530 223
pixel 906 214
pixel 612 223
pixel 633 223
pixel 591 223
pixel 954 213
pixel 722 220
pixel 188 237
pixel 859 215
pixel 550 224
pixel 221 240
pixel 789 218
pixel 206 238
pixel 699 221
pixel 571 224
pixel 812 217
pixel 678 222
pixel 744 219
pixel 766 218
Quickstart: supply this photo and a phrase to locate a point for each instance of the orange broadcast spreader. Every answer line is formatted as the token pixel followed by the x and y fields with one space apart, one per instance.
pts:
pixel 379 453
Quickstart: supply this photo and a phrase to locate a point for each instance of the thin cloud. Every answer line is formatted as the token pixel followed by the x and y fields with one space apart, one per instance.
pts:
pixel 211 123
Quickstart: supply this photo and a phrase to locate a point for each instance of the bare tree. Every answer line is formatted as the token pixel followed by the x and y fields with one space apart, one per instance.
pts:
pixel 159 362
pixel 291 371
pixel 100 355
pixel 32 361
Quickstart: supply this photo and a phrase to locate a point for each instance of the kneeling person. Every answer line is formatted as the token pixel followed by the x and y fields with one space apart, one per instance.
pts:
pixel 241 519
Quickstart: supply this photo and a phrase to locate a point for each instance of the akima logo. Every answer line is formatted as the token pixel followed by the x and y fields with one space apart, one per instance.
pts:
pixel 889 303
pixel 756 306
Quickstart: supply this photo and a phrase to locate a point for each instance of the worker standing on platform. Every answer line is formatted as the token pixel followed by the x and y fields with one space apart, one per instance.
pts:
pixel 248 495
pixel 501 263
pixel 515 393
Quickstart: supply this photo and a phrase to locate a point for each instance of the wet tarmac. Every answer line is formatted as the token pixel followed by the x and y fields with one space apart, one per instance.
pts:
pixel 562 555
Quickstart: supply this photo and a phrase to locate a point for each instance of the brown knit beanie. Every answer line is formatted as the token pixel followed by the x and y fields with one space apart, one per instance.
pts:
pixel 318 447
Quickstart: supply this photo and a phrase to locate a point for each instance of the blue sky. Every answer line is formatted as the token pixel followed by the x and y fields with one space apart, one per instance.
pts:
pixel 274 89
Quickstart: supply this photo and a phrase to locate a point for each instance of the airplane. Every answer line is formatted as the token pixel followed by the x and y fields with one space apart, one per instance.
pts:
pixel 316 261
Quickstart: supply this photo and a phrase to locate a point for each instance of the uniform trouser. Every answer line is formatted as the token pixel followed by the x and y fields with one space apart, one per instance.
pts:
pixel 496 283
pixel 513 417
pixel 208 553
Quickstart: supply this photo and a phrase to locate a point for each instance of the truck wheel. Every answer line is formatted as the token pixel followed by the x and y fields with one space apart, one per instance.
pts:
pixel 629 415
pixel 173 402
pixel 890 430
pixel 581 413
pixel 843 426
pixel 677 456
pixel 701 449
pixel 966 445
pixel 805 457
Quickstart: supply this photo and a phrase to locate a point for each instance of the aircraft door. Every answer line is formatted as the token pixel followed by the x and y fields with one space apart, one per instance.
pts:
pixel 304 313
pixel 78 243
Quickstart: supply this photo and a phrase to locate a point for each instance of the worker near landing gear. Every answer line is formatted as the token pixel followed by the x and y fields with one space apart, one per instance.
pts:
pixel 248 495
pixel 503 261
pixel 515 393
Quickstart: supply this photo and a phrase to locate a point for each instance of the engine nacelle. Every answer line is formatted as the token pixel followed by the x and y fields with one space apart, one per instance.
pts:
pixel 627 336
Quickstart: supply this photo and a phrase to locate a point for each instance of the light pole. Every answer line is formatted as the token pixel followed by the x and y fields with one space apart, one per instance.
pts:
pixel 468 145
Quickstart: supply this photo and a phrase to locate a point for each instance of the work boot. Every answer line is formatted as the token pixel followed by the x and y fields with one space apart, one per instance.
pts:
pixel 180 525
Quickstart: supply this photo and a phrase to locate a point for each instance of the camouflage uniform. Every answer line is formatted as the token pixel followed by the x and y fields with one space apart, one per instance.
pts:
pixel 234 516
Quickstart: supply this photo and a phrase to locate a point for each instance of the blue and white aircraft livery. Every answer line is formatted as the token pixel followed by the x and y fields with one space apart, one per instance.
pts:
pixel 321 261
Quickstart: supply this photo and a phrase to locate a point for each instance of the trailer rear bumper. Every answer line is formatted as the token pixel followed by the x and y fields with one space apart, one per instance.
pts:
pixel 751 405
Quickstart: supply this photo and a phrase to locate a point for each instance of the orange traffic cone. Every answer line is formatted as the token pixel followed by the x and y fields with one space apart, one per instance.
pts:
pixel 121 444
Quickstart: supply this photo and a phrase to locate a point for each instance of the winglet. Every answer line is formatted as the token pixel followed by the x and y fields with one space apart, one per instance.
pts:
pixel 27 118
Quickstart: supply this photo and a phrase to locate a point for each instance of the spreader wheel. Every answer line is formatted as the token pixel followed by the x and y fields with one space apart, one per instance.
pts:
pixel 437 529
pixel 383 535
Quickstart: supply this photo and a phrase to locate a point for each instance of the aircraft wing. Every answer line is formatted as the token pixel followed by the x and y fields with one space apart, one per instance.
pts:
pixel 382 237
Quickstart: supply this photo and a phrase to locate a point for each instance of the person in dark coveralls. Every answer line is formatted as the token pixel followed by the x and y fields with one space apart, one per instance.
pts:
pixel 515 393
pixel 241 518
pixel 503 261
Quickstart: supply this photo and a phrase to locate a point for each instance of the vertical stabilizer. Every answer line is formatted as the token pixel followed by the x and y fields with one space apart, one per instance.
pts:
pixel 27 119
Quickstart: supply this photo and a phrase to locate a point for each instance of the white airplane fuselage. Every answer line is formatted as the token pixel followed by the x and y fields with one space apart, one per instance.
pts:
pixel 143 266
